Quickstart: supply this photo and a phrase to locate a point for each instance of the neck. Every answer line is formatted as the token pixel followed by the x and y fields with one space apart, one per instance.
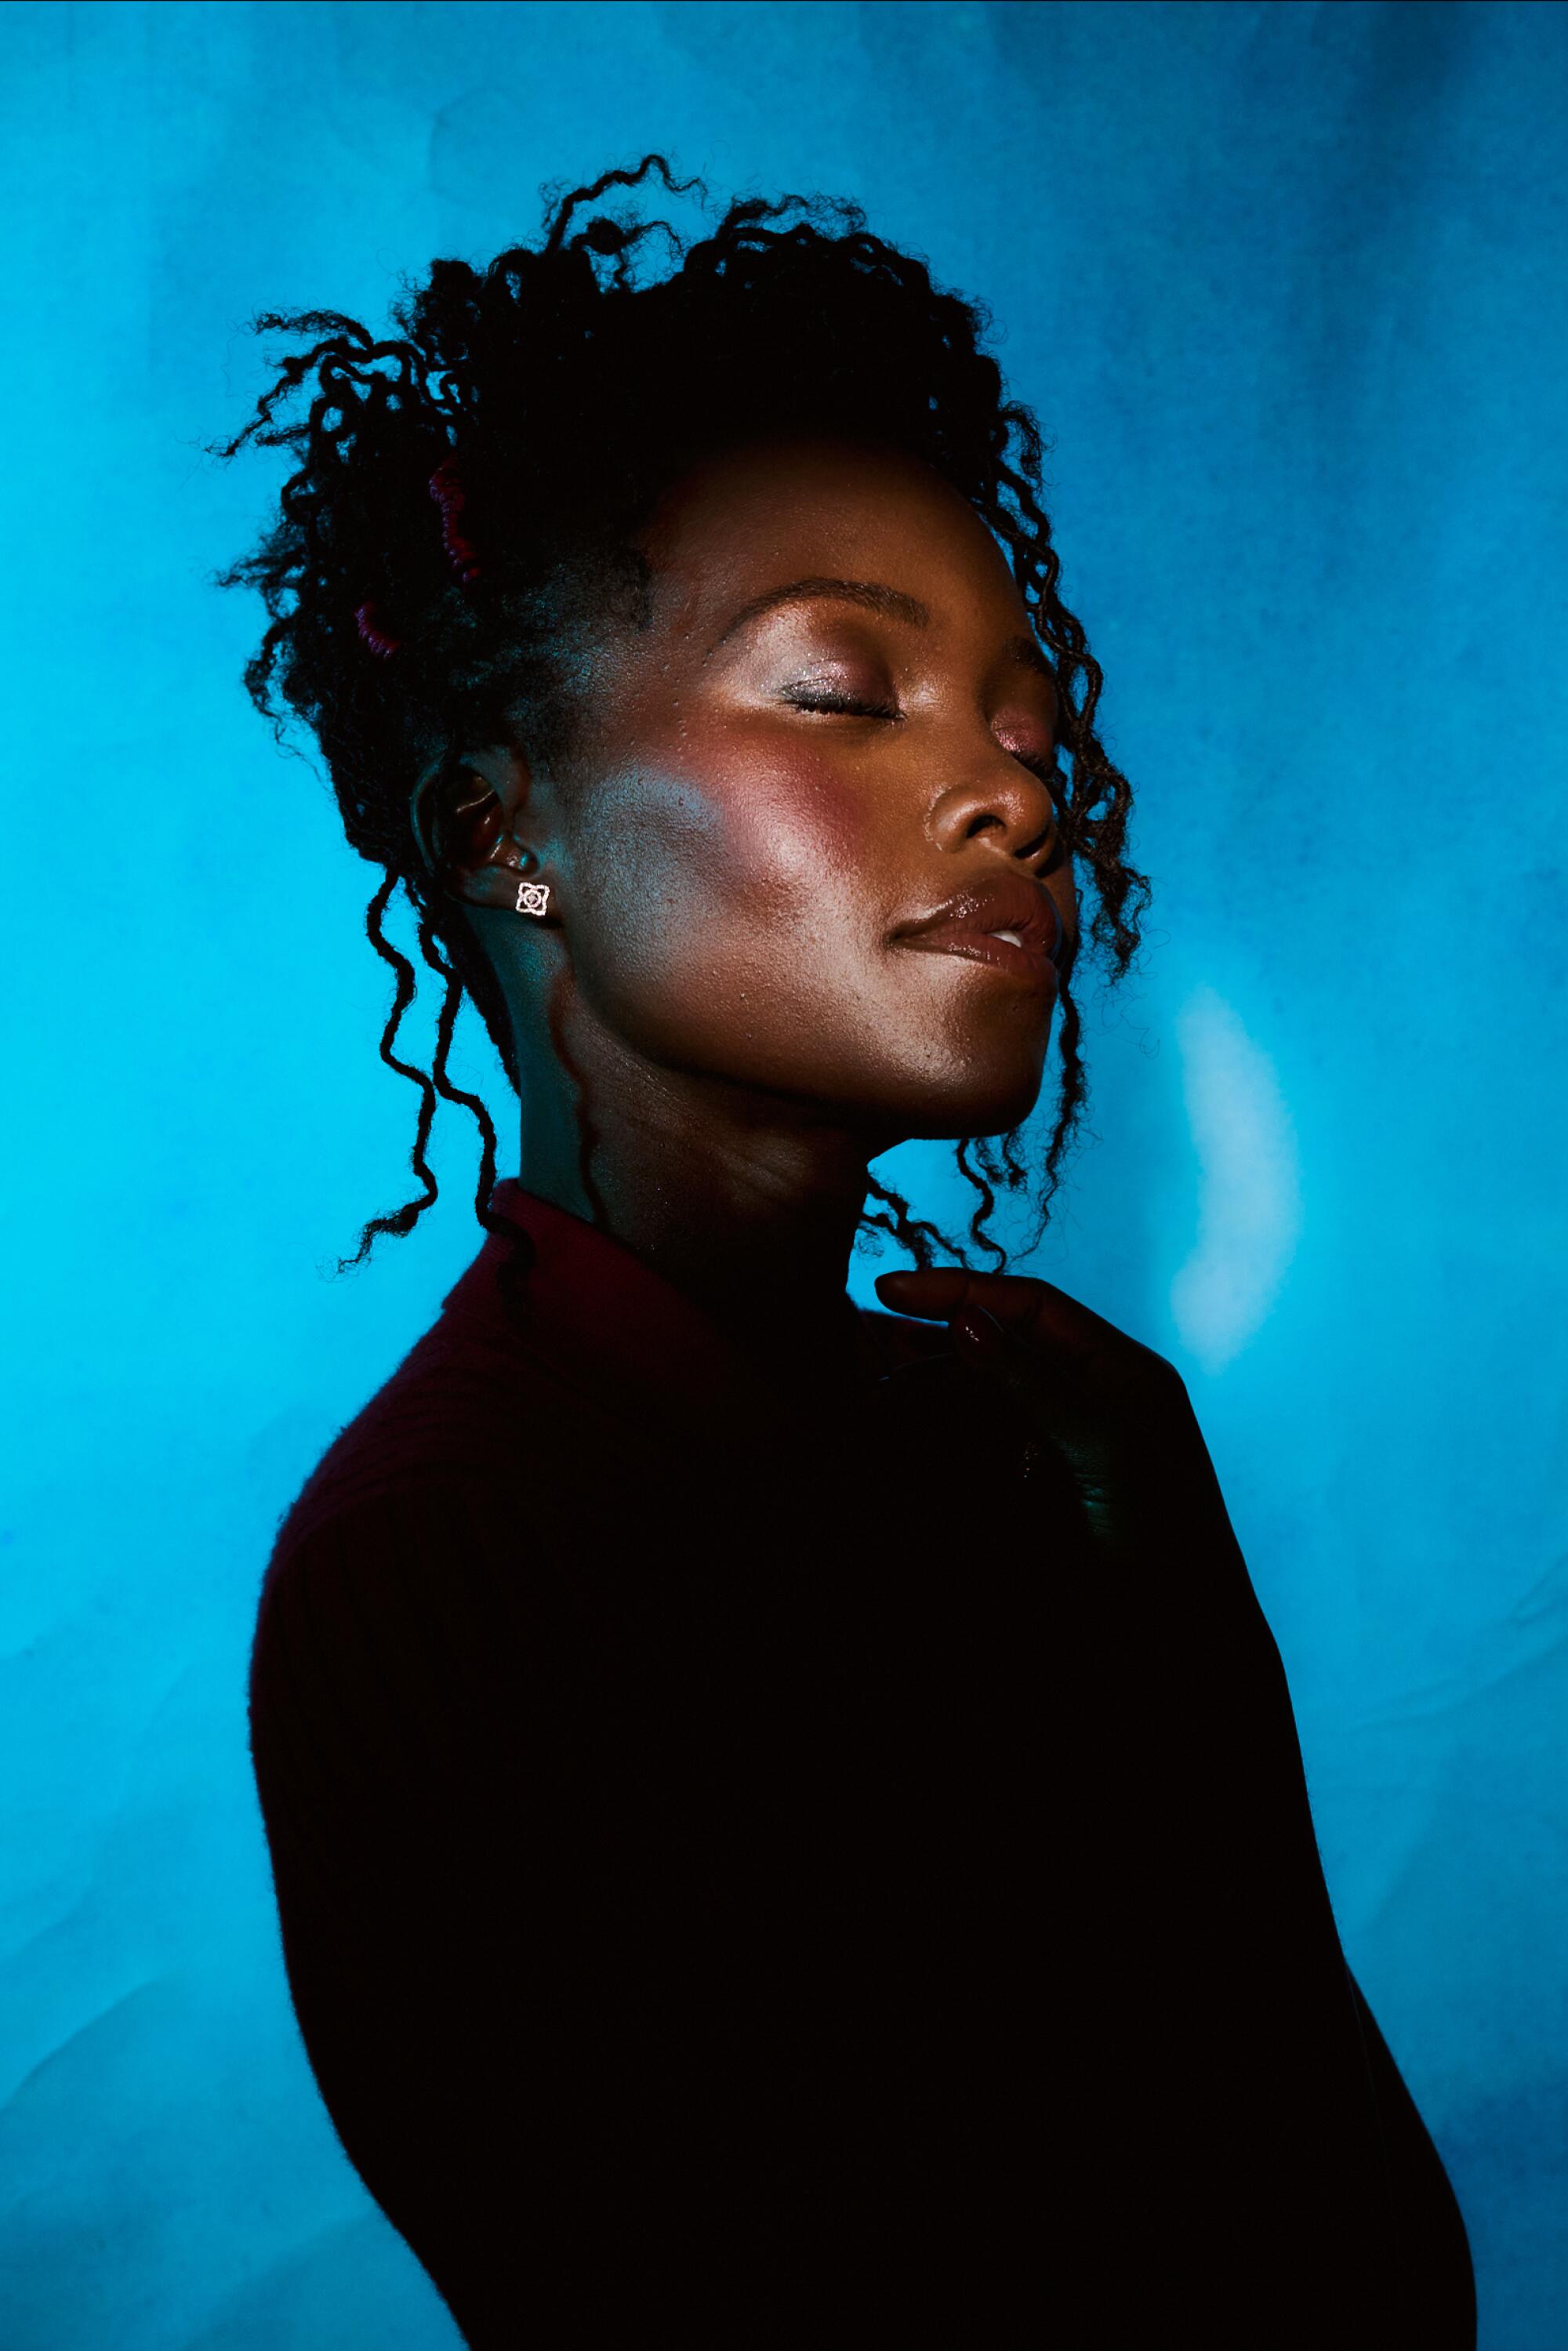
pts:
pixel 747 1205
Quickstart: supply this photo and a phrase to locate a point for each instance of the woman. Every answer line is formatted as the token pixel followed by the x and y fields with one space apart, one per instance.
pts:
pixel 787 1823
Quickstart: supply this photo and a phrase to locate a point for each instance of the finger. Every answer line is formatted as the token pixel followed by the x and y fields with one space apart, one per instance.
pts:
pixel 1006 1358
pixel 1031 1309
pixel 937 1295
pixel 981 1343
pixel 977 1335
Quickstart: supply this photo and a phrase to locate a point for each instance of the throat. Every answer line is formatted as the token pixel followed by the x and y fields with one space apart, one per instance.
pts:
pixel 747 1206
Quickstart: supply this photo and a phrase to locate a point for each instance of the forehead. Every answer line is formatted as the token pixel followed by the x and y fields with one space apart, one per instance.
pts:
pixel 752 517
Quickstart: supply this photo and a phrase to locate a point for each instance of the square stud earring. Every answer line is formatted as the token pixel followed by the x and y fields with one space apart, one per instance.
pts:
pixel 533 897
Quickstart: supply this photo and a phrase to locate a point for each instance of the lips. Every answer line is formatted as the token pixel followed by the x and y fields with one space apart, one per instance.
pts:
pixel 969 925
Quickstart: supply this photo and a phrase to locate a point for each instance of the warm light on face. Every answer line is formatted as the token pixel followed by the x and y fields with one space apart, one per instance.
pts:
pixel 837 720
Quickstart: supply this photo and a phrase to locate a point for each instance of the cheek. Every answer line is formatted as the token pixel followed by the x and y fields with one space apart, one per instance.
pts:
pixel 733 920
pixel 711 907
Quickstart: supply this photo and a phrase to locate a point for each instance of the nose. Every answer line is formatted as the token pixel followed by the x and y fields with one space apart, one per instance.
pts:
pixel 1000 800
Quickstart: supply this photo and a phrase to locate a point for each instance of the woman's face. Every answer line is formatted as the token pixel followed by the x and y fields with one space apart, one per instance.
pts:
pixel 828 738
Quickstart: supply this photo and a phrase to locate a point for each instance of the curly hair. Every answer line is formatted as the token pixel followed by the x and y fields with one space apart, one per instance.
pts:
pixel 461 518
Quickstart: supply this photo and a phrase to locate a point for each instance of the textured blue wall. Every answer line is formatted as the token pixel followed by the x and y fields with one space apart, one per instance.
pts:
pixel 1285 283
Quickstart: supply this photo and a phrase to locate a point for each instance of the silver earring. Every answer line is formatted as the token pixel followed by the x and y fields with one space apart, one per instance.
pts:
pixel 533 897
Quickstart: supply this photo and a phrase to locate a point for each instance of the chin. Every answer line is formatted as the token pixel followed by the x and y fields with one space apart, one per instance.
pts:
pixel 947 1114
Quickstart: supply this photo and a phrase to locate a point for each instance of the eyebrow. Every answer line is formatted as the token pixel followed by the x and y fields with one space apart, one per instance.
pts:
pixel 869 593
pixel 874 596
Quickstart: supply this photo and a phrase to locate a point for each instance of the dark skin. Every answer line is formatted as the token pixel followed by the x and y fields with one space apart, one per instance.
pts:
pixel 756 800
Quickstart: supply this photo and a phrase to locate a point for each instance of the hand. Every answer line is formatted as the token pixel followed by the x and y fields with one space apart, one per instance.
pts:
pixel 1114 1413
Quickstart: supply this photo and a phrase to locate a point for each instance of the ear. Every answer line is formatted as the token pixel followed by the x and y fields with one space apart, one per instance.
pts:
pixel 470 817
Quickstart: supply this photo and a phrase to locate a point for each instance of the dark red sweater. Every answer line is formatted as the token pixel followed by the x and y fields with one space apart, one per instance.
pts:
pixel 744 1879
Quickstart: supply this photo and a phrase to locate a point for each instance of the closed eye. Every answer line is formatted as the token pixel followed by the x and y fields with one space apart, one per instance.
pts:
pixel 808 697
pixel 1042 764
pixel 1046 764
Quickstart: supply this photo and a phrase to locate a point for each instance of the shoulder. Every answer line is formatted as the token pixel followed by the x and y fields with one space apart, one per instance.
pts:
pixel 379 1621
pixel 476 1415
pixel 388 1596
pixel 437 1418
pixel 385 1506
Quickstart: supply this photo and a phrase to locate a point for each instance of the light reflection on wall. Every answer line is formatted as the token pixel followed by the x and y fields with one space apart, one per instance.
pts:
pixel 1249 1193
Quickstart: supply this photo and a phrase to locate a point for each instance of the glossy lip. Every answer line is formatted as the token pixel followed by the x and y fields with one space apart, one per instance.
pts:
pixel 962 925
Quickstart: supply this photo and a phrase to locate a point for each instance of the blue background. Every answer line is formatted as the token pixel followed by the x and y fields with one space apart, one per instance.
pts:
pixel 1285 285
